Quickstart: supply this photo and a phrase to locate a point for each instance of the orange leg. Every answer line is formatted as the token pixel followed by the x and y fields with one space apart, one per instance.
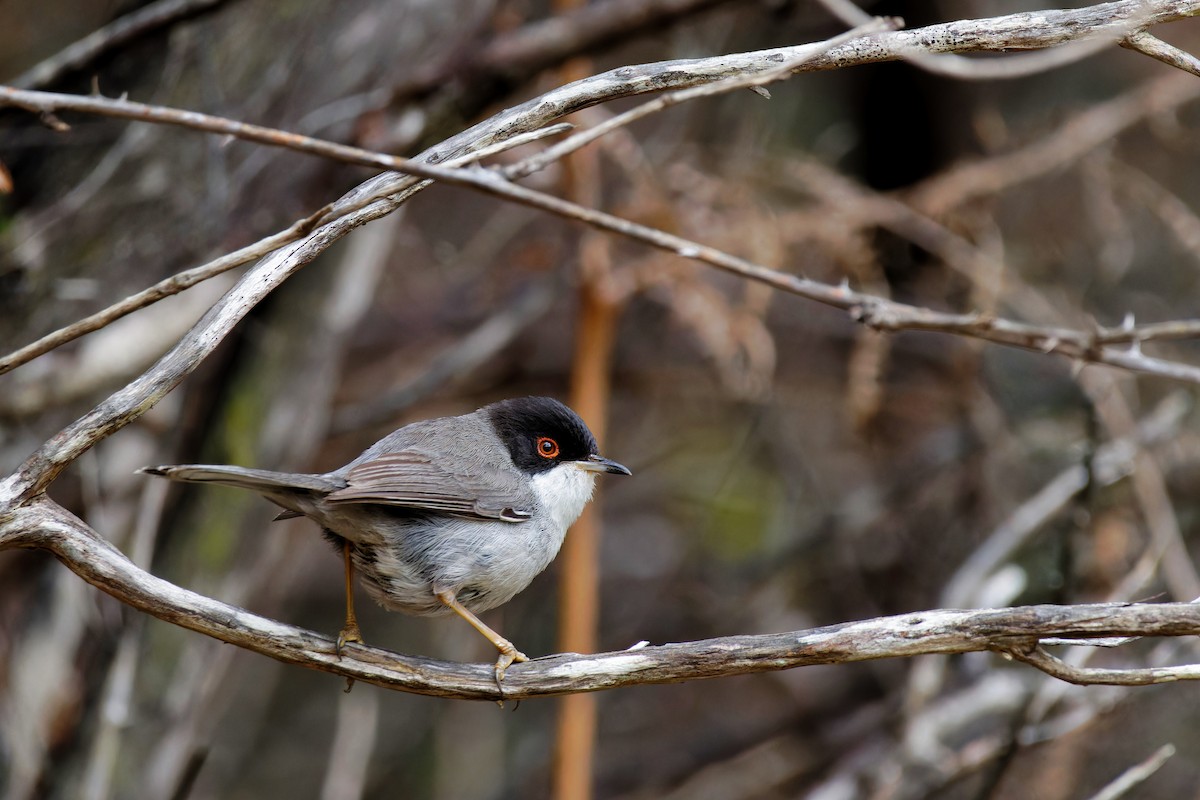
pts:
pixel 350 633
pixel 508 653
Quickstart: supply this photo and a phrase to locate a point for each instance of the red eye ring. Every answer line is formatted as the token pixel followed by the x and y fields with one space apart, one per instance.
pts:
pixel 547 447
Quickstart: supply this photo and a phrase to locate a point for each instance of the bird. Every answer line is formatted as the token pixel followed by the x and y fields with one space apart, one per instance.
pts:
pixel 453 514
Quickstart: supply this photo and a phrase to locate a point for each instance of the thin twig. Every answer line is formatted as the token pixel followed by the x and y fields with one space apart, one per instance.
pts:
pixel 1157 49
pixel 1168 550
pixel 114 34
pixel 53 102
pixel 164 288
pixel 1092 676
pixel 1136 774
pixel 875 312
pixel 1081 134
pixel 785 70
pixel 1078 348
pixel 515 55
pixel 28 520
pixel 461 358
pixel 1113 462
pixel 188 278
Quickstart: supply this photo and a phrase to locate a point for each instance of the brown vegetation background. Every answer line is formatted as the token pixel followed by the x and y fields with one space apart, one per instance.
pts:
pixel 791 467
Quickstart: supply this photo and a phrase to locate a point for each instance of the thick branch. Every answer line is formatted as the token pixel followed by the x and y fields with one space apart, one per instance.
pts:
pixel 130 402
pixel 39 523
pixel 1016 631
pixel 371 200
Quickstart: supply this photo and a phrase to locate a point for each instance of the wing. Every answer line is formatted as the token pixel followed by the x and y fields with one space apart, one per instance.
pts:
pixel 411 479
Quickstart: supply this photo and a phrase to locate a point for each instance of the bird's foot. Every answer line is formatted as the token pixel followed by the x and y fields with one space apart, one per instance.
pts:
pixel 508 654
pixel 350 633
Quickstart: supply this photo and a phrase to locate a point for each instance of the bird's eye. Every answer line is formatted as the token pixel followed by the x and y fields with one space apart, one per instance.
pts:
pixel 547 447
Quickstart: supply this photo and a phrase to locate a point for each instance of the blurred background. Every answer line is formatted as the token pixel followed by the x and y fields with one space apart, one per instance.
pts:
pixel 791 469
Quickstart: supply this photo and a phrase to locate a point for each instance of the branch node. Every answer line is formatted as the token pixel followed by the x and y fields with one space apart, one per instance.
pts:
pixel 873 314
pixel 983 321
pixel 51 121
pixel 1159 50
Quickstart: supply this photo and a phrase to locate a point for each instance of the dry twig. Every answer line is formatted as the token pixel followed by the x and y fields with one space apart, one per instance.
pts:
pixel 1136 774
pixel 1014 631
pixel 28 519
pixel 137 23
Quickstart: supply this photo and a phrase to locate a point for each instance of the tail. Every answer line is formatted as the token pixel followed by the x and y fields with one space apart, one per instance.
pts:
pixel 256 480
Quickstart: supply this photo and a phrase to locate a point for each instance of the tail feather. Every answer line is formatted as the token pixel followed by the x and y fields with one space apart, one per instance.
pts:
pixel 256 480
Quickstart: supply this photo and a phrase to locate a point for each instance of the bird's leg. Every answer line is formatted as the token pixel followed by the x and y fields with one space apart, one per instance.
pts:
pixel 508 653
pixel 350 632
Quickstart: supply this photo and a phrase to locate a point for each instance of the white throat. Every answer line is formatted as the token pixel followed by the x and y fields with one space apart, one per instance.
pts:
pixel 562 492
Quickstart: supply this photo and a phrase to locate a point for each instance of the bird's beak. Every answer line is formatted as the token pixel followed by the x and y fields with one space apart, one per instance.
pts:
pixel 595 463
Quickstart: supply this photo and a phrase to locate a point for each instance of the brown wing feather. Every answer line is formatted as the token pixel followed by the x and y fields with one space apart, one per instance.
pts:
pixel 411 479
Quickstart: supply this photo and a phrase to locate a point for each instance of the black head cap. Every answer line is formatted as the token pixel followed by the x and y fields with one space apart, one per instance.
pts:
pixel 541 432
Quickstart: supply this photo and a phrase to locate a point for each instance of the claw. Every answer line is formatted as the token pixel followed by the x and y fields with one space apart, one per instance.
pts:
pixel 350 633
pixel 508 654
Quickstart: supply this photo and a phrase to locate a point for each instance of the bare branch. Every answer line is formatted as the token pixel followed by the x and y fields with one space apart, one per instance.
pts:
pixel 1013 66
pixel 875 312
pixel 997 34
pixel 664 101
pixel 27 520
pixel 165 288
pixel 1168 551
pixel 544 43
pixel 382 194
pixel 114 34
pixel 1167 53
pixel 130 402
pixel 1081 134
pixel 51 102
pixel 463 357
pixel 1114 461
pixel 361 205
pixel 188 278
pixel 1136 774
pixel 1014 631
pixel 1088 676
